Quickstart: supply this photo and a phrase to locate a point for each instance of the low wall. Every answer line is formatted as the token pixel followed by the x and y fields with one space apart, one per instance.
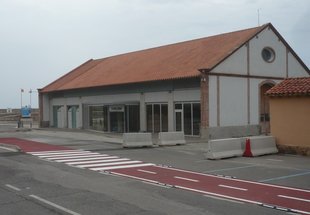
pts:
pixel 234 131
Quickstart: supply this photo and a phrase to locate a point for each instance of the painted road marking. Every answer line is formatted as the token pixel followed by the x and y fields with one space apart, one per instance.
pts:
pixel 146 171
pixel 84 159
pixel 121 167
pixel 234 179
pixel 156 184
pixel 186 179
pixel 13 187
pixel 228 169
pixel 113 164
pixel 294 198
pixel 285 177
pixel 59 153
pixel 54 205
pixel 219 195
pixel 231 187
pixel 277 160
pixel 109 163
pixel 115 158
pixel 37 152
pixel 63 155
pixel 8 149
pixel 79 156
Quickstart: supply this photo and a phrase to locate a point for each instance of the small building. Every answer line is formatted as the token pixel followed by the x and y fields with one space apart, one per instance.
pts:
pixel 290 115
pixel 212 87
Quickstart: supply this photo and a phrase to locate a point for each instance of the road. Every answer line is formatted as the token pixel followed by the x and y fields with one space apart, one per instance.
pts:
pixel 50 183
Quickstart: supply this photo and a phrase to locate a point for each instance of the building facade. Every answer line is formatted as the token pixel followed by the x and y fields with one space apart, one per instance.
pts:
pixel 212 87
pixel 290 115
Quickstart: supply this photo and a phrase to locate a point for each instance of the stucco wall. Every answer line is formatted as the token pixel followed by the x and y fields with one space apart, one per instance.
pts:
pixel 234 64
pixel 294 67
pixel 284 65
pixel 290 120
pixel 233 105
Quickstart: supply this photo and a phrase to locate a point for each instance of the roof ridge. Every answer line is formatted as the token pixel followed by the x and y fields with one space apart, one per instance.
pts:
pixel 185 41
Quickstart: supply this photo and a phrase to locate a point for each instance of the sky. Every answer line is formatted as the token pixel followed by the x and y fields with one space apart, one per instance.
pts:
pixel 41 40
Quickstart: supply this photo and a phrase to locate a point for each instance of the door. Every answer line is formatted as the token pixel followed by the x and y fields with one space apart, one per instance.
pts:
pixel 179 120
pixel 117 122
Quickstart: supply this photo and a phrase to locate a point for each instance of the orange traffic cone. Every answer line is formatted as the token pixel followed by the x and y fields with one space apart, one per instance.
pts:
pixel 247 151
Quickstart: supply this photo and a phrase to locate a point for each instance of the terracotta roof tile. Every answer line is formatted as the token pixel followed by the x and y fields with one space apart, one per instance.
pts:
pixel 291 87
pixel 180 60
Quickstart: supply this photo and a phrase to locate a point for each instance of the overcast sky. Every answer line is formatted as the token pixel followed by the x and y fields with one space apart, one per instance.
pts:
pixel 41 40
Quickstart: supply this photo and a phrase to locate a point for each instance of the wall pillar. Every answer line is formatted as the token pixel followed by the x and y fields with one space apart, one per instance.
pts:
pixel 204 105
pixel 65 118
pixel 170 111
pixel 44 112
pixel 142 113
pixel 80 116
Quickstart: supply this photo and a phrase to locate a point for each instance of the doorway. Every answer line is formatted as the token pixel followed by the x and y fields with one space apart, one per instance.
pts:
pixel 117 118
pixel 264 107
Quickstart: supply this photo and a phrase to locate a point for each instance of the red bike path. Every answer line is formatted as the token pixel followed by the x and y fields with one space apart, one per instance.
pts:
pixel 273 196
pixel 30 146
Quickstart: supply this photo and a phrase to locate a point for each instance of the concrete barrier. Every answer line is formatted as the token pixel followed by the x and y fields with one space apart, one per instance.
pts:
pixel 137 139
pixel 224 148
pixel 262 145
pixel 171 138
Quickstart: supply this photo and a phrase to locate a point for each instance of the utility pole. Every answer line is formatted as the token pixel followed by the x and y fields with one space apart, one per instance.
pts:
pixel 30 92
pixel 21 98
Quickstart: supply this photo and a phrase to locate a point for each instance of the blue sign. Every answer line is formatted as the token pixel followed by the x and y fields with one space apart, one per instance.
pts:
pixel 26 112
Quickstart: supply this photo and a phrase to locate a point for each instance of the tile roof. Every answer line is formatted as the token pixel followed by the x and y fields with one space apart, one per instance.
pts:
pixel 291 87
pixel 180 60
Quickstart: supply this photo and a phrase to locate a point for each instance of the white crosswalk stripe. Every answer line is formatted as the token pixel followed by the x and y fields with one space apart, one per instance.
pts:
pixel 89 160
pixel 83 164
pixel 77 156
pixel 59 152
pixel 64 155
pixel 84 159
pixel 104 159
pixel 109 164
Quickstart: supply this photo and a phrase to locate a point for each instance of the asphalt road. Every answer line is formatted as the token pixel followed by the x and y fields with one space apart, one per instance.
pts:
pixel 33 185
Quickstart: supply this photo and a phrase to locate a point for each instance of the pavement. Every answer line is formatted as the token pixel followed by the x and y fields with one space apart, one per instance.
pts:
pixel 278 181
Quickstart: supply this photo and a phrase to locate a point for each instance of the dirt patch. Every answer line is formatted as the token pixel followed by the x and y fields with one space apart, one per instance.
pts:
pixel 300 150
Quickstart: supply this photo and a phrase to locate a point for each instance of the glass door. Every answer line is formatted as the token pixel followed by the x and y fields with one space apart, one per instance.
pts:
pixel 179 120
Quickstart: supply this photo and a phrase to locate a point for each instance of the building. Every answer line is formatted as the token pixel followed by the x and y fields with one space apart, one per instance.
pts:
pixel 290 115
pixel 213 87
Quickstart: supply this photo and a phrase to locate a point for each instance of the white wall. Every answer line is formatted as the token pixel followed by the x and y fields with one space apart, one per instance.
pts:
pixel 267 38
pixel 156 97
pixel 212 101
pixel 295 69
pixel 234 64
pixel 186 95
pixel 46 107
pixel 233 101
pixel 254 100
pixel 61 117
pixel 108 99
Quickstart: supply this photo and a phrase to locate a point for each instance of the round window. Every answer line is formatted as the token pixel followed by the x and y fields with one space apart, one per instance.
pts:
pixel 268 54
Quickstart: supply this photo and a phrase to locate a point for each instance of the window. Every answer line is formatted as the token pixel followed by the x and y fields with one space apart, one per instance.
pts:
pixel 268 54
pixel 98 118
pixel 187 118
pixel 157 117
